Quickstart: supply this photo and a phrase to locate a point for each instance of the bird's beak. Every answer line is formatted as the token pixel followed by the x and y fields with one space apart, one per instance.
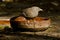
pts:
pixel 40 9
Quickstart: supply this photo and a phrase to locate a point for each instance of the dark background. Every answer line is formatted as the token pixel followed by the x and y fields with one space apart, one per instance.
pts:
pixel 50 7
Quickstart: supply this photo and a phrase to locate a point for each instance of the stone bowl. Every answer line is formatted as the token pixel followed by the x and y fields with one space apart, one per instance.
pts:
pixel 34 24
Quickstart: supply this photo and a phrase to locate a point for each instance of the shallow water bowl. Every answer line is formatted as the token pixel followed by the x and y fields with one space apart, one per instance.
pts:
pixel 34 24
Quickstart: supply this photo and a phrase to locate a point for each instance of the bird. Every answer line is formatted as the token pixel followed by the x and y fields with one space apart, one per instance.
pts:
pixel 31 12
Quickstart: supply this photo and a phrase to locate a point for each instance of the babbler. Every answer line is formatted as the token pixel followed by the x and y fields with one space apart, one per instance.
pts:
pixel 31 12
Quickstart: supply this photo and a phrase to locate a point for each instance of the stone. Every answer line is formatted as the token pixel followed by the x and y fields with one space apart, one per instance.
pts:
pixel 33 24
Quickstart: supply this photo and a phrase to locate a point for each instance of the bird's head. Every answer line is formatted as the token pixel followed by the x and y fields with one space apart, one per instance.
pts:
pixel 37 8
